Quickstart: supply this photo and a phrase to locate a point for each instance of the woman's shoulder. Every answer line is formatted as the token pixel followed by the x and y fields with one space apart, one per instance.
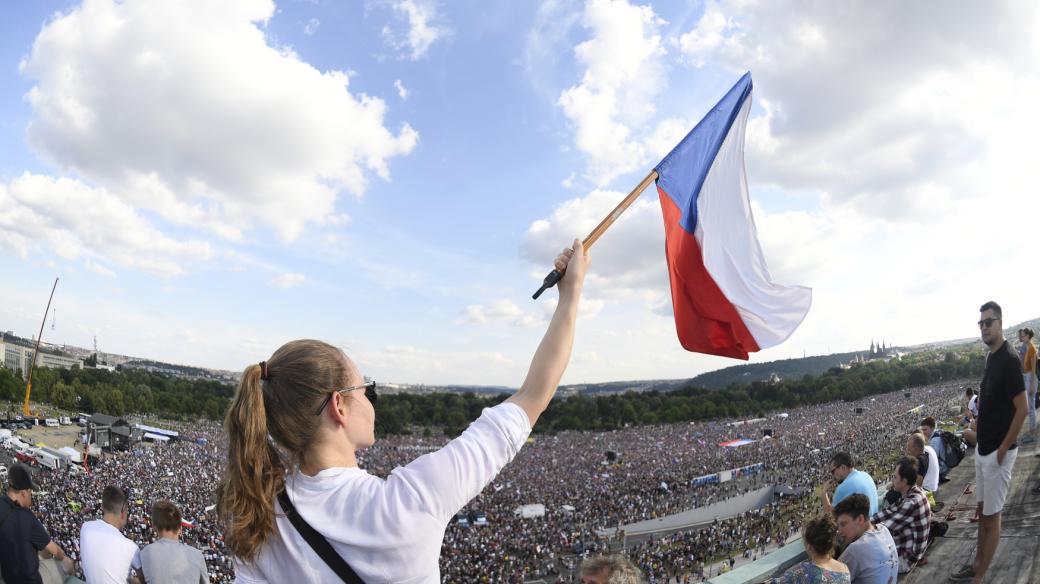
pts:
pixel 836 567
pixel 835 573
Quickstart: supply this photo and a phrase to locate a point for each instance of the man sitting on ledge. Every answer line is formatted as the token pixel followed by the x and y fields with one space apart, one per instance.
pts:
pixel 909 519
pixel 846 480
pixel 871 553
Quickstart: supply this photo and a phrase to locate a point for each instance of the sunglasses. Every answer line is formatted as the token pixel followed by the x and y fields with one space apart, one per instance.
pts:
pixel 987 322
pixel 370 393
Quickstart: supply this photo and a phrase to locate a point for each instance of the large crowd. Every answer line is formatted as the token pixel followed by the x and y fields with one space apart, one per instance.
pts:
pixel 184 472
pixel 587 493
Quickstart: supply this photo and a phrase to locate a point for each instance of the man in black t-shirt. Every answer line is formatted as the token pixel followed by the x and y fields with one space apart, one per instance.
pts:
pixel 22 536
pixel 1002 410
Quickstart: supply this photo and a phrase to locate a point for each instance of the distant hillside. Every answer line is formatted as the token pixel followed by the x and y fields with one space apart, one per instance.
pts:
pixel 785 368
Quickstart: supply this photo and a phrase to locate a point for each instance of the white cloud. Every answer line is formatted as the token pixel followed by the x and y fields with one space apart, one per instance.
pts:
pixel 424 27
pixel 75 220
pixel 402 91
pixel 184 109
pixel 408 362
pixel 544 45
pixel 338 219
pixel 627 261
pixel 289 280
pixel 142 330
pixel 873 106
pixel 98 268
pixel 701 43
pixel 501 310
pixel 624 71
pixel 311 27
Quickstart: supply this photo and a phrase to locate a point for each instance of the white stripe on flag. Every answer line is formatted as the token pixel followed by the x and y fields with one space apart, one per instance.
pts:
pixel 729 242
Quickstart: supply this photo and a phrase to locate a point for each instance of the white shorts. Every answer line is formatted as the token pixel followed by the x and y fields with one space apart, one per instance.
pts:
pixel 992 481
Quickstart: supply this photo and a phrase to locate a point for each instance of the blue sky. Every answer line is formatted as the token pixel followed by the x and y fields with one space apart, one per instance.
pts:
pixel 210 180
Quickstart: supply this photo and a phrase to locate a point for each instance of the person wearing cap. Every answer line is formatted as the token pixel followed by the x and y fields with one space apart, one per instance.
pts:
pixel 22 536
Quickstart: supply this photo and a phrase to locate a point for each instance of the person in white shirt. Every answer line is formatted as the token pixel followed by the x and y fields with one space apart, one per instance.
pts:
pixel 312 401
pixel 167 560
pixel 105 555
pixel 970 414
pixel 928 461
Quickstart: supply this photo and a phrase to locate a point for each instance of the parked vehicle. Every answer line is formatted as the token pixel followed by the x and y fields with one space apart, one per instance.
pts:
pixel 48 460
pixel 63 458
pixel 51 423
pixel 64 420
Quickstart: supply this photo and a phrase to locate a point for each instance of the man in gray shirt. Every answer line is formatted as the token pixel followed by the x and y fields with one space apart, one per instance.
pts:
pixel 168 561
pixel 872 556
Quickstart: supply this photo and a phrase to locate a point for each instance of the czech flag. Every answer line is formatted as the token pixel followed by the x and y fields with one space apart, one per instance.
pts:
pixel 724 299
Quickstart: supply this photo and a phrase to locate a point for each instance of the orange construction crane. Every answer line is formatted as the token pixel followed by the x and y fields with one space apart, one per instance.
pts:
pixel 28 386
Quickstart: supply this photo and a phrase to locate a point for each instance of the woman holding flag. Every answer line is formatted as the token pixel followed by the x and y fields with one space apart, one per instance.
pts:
pixel 317 516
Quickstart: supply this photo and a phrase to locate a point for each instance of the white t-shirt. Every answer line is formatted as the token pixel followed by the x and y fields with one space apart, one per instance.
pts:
pixel 973 405
pixel 388 530
pixel 106 556
pixel 931 478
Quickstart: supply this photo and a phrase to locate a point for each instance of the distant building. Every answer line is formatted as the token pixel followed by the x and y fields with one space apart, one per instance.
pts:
pixel 878 351
pixel 19 357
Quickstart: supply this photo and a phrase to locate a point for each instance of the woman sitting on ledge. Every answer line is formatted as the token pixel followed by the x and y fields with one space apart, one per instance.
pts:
pixel 821 567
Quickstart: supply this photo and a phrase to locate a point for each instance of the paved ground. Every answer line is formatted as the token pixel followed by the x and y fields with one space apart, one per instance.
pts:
pixel 1016 561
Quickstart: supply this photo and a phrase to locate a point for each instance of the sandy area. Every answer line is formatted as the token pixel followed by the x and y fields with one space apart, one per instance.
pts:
pixel 53 437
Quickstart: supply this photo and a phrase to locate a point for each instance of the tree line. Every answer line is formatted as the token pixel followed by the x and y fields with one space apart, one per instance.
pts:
pixel 120 392
pixel 689 403
pixel 136 391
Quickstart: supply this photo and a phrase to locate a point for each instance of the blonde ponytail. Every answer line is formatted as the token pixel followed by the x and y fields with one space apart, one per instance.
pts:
pixel 297 378
pixel 245 501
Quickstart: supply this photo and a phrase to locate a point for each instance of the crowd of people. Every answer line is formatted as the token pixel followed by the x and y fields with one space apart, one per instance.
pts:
pixel 184 472
pixel 592 484
pixel 587 493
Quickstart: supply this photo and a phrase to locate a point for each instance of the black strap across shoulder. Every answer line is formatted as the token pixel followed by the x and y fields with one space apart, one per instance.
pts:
pixel 318 543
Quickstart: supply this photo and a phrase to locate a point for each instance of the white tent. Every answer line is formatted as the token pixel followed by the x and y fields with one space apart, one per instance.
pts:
pixel 156 437
pixel 529 511
pixel 73 454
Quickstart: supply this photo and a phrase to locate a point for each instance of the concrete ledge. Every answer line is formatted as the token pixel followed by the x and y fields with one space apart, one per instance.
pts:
pixel 766 567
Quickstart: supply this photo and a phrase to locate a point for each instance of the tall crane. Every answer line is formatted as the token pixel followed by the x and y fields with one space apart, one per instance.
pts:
pixel 36 351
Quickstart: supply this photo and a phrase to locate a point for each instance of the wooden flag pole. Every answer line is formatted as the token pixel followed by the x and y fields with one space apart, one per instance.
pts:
pixel 555 275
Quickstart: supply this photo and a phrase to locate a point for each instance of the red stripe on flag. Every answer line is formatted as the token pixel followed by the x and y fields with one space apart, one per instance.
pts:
pixel 705 320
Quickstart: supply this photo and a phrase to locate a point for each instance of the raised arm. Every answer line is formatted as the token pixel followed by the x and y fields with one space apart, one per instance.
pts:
pixel 553 353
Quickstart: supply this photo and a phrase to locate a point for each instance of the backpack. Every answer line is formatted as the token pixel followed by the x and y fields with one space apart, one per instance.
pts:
pixel 953 447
